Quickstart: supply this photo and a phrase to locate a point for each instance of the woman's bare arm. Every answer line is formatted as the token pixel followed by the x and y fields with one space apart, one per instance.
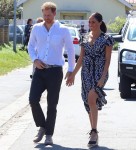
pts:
pixel 106 66
pixel 79 62
pixel 107 61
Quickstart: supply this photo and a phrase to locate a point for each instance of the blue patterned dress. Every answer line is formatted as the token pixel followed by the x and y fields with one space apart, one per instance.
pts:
pixel 92 68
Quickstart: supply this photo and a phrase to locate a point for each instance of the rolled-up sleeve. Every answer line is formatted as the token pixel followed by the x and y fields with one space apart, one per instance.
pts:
pixel 70 50
pixel 32 45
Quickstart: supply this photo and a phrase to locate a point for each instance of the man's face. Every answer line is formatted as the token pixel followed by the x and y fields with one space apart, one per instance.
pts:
pixel 48 15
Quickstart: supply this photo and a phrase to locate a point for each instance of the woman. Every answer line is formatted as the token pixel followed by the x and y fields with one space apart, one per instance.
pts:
pixel 28 29
pixel 95 60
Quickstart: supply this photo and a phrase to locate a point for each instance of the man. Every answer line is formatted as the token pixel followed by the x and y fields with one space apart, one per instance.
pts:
pixel 49 38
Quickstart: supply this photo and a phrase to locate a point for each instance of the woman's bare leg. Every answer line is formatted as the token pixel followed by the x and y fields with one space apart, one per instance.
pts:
pixel 92 97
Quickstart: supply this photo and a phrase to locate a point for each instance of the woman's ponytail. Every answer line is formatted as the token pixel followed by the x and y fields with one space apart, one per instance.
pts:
pixel 103 27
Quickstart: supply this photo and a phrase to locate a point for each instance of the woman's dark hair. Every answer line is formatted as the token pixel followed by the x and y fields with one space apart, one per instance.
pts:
pixel 29 20
pixel 99 18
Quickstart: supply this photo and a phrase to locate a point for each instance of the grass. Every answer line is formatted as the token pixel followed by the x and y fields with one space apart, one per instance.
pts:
pixel 10 60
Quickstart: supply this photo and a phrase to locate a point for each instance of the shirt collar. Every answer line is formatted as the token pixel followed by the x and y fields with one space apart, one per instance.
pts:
pixel 55 24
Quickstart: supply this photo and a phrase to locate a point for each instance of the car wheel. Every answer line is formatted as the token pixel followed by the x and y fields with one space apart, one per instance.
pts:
pixel 125 87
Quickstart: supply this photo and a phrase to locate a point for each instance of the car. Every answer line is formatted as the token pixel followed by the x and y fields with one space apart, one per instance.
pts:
pixel 19 34
pixel 76 38
pixel 22 26
pixel 127 57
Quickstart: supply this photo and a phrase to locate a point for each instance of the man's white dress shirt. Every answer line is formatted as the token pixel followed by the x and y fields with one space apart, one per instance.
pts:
pixel 48 46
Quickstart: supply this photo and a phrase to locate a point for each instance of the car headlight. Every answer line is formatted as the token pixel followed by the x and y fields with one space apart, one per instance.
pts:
pixel 129 57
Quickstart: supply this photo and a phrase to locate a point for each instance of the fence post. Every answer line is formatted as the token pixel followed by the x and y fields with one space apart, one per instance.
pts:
pixel 14 42
pixel 6 31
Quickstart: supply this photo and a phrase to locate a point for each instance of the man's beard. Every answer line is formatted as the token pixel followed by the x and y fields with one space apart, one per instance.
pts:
pixel 49 21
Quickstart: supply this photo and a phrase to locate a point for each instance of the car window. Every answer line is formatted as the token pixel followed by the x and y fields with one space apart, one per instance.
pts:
pixel 72 32
pixel 19 30
pixel 22 27
pixel 132 33
pixel 11 29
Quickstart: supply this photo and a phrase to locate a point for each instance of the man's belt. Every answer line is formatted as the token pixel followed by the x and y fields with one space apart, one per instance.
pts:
pixel 51 66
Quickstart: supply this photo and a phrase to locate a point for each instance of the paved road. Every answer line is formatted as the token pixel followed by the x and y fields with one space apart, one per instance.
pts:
pixel 13 85
pixel 117 125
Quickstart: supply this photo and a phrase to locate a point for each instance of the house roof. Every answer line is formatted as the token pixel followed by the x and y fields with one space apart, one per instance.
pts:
pixel 125 2
pixel 131 1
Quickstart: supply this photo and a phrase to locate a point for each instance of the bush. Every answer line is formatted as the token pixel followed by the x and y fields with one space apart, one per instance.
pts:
pixel 115 46
pixel 116 26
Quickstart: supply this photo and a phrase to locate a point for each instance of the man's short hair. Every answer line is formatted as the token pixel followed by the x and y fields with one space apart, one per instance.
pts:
pixel 49 5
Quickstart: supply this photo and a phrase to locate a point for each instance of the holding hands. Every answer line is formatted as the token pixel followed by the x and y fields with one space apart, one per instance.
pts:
pixel 70 78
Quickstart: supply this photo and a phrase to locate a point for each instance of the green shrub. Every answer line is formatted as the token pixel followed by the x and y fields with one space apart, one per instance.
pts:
pixel 116 25
pixel 115 46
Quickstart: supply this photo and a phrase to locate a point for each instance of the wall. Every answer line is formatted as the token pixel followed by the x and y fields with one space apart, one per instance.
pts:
pixel 109 8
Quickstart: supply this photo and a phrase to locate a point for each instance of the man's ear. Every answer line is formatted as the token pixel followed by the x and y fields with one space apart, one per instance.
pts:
pixel 55 13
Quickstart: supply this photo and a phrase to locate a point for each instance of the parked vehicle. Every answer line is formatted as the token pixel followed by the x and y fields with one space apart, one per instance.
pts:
pixel 19 34
pixel 76 38
pixel 22 27
pixel 127 57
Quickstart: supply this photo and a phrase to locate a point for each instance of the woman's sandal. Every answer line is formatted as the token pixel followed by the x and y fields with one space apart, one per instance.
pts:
pixel 93 138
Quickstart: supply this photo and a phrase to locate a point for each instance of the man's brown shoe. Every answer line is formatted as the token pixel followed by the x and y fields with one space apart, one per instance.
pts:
pixel 40 135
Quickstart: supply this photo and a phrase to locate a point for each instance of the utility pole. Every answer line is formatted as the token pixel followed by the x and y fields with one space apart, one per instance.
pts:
pixel 15 28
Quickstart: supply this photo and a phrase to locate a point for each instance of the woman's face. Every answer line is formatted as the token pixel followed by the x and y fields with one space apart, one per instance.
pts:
pixel 30 22
pixel 94 24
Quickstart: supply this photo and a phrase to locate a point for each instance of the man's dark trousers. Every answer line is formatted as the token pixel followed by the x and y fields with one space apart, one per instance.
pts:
pixel 46 79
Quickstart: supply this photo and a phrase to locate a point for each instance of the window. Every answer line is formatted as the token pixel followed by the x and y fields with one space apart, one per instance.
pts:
pixel 132 33
pixel 72 32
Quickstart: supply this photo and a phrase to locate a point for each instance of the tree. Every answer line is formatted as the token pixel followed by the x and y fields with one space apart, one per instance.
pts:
pixel 7 9
pixel 117 25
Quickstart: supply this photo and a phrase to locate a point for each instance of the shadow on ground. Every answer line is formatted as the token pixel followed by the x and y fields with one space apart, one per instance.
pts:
pixel 58 147
pixel 108 89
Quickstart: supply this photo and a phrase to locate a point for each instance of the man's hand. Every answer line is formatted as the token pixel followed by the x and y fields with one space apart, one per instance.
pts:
pixel 39 64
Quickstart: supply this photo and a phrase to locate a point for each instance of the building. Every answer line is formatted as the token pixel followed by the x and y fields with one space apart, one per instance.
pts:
pixel 133 3
pixel 78 9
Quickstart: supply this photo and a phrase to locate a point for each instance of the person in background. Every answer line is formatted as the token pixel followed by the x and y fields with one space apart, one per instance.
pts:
pixel 95 60
pixel 38 20
pixel 82 33
pixel 27 32
pixel 48 38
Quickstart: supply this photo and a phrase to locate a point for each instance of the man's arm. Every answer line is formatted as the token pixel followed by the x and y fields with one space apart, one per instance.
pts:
pixel 32 45
pixel 32 50
pixel 70 50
